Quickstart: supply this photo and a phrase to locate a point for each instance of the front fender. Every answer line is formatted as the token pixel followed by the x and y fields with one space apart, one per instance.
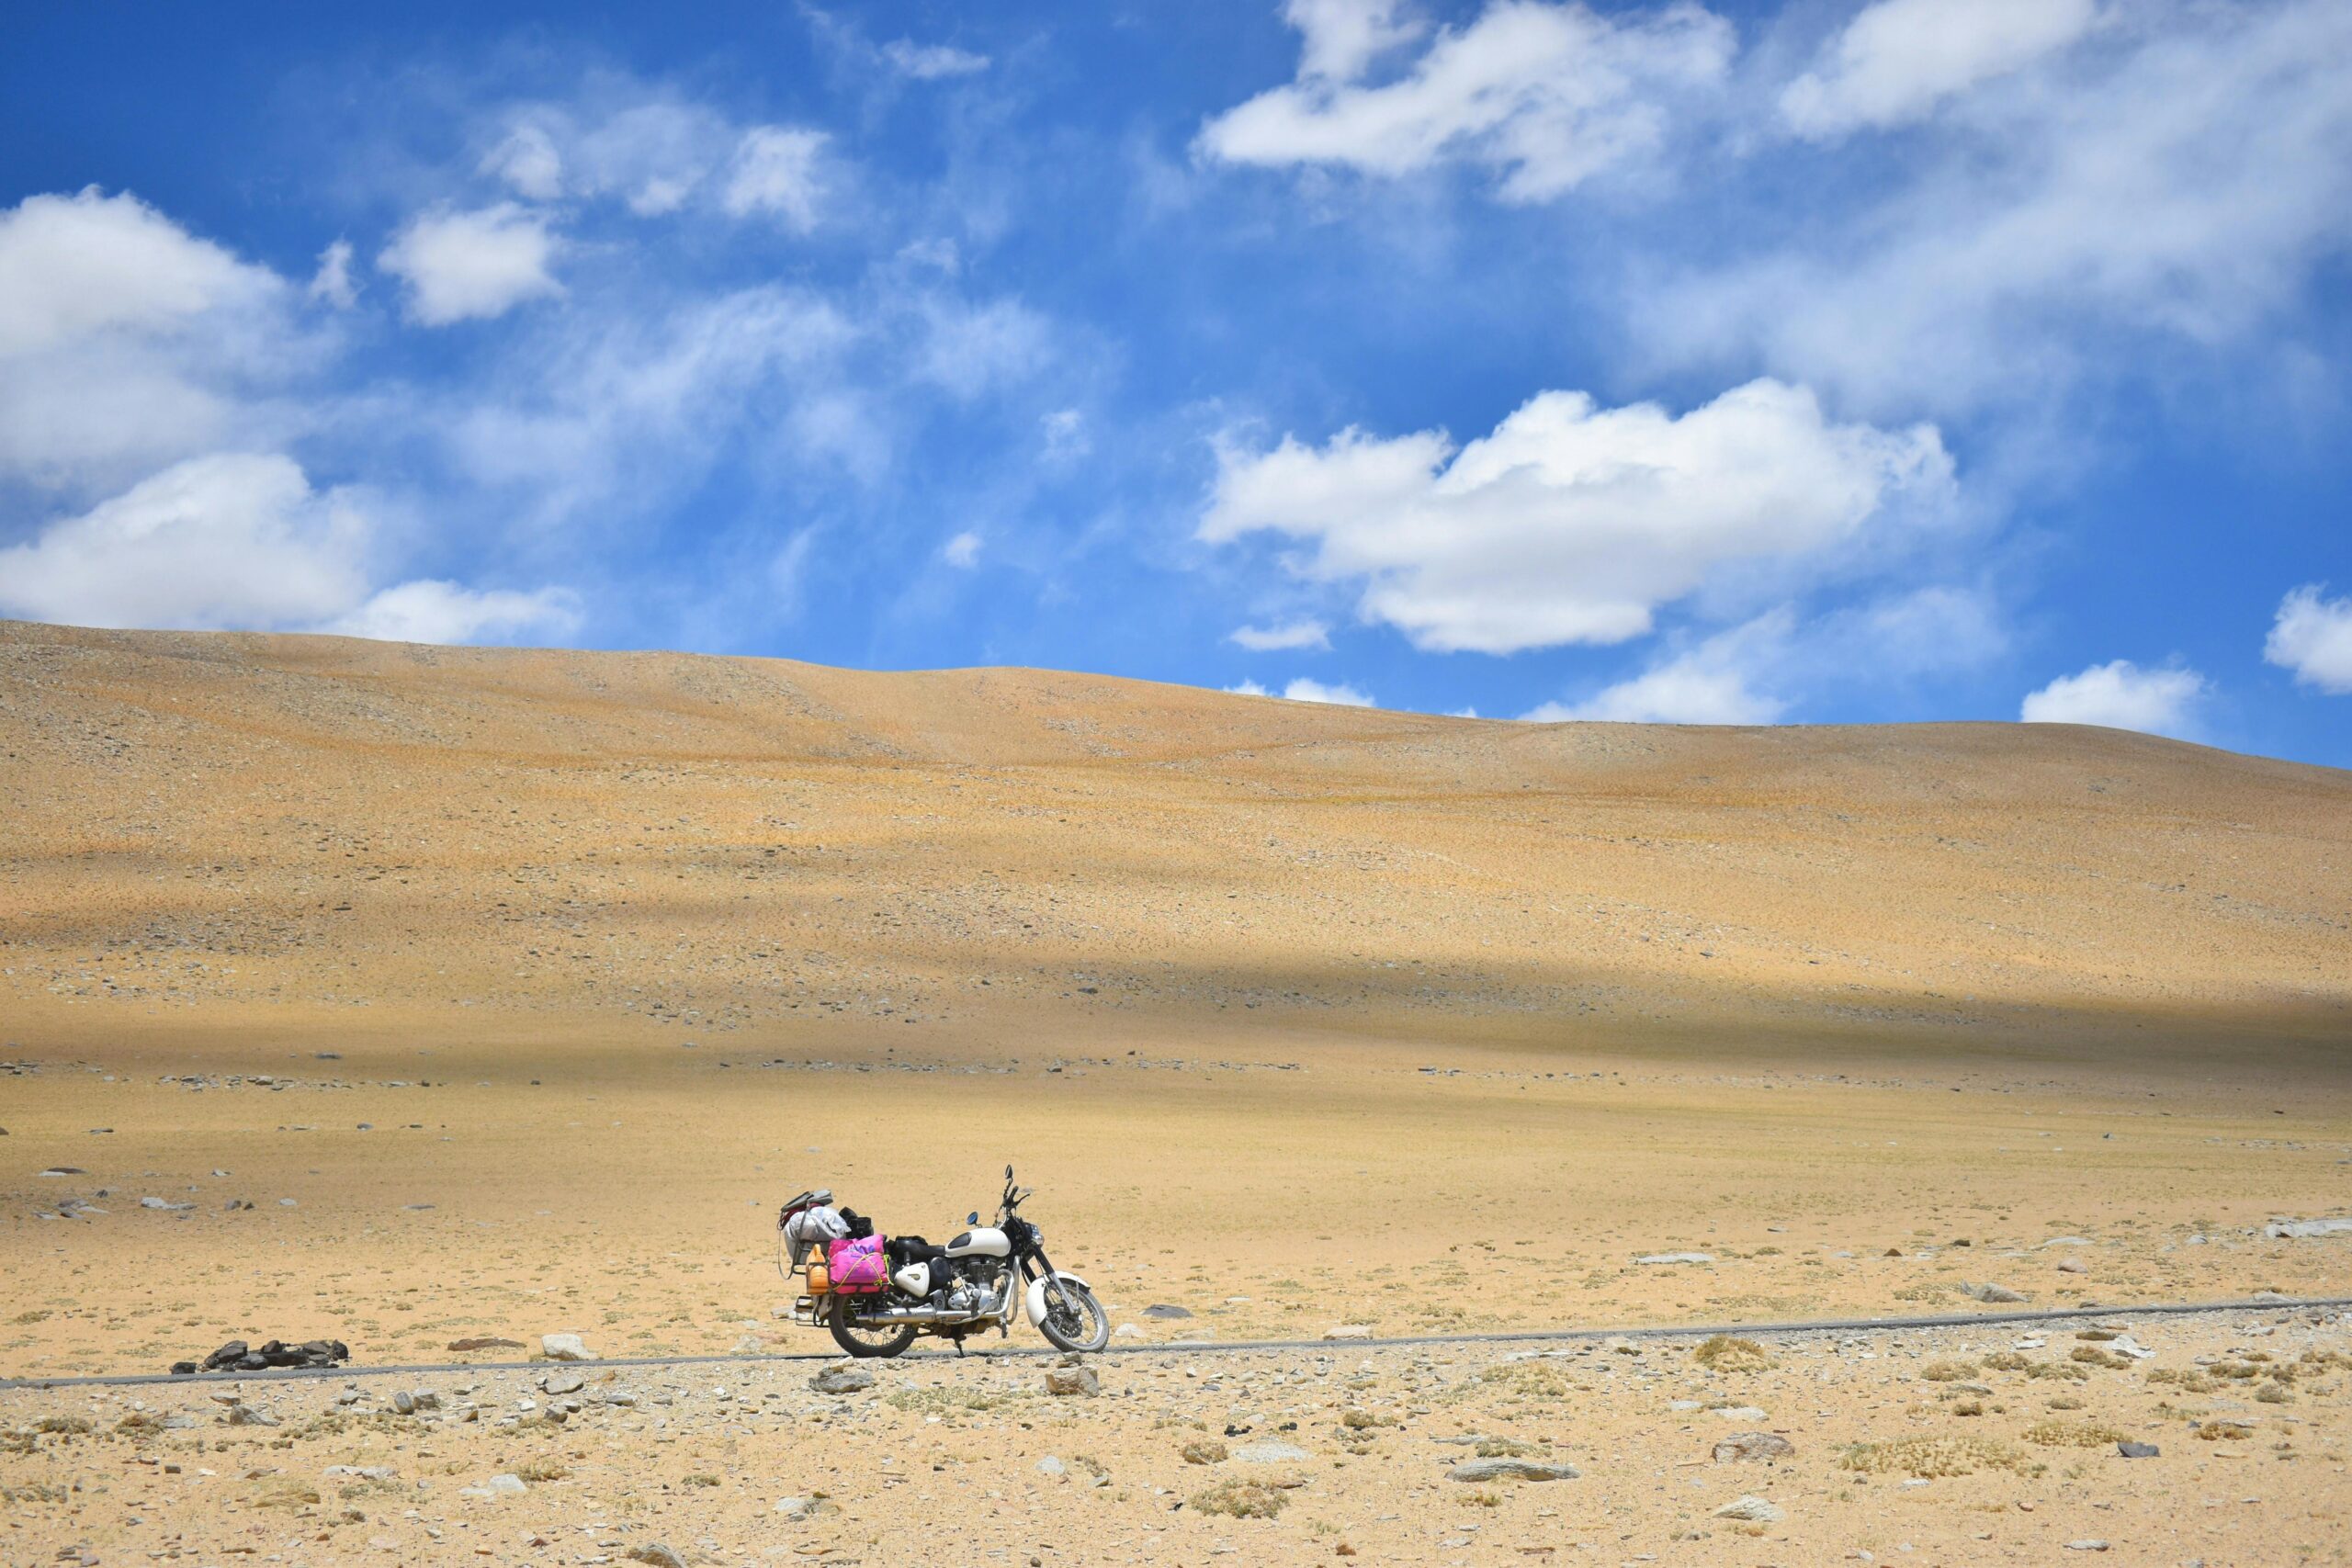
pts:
pixel 1035 1300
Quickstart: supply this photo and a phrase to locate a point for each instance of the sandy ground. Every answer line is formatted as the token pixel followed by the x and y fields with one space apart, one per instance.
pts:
pixel 513 991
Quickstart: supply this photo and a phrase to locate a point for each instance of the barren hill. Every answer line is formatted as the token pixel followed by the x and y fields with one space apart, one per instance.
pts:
pixel 244 827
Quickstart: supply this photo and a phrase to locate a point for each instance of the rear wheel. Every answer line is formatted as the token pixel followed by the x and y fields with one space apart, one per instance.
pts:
pixel 862 1338
pixel 1073 1319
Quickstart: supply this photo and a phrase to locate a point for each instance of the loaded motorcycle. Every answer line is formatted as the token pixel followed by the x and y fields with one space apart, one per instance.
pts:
pixel 876 1293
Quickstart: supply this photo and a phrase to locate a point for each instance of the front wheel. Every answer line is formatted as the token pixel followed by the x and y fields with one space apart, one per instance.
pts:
pixel 1073 1319
pixel 854 1334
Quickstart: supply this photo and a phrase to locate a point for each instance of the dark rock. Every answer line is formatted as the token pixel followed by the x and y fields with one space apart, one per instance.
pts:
pixel 2138 1451
pixel 1511 1469
pixel 1752 1446
pixel 485 1342
pixel 842 1380
pixel 1166 1312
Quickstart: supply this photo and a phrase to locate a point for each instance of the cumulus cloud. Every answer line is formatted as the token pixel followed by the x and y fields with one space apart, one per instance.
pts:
pixel 1571 523
pixel 1757 671
pixel 2187 178
pixel 438 612
pixel 2313 637
pixel 963 550
pixel 1898 59
pixel 226 540
pixel 1303 689
pixel 2122 695
pixel 775 170
pixel 929 63
pixel 333 283
pixel 1293 634
pixel 72 266
pixel 1544 95
pixel 472 265
pixel 528 162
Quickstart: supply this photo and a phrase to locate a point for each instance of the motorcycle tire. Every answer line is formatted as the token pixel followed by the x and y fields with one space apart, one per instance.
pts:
pixel 864 1342
pixel 1087 1326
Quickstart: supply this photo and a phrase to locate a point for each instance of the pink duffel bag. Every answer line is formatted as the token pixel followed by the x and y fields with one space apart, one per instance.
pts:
pixel 858 1267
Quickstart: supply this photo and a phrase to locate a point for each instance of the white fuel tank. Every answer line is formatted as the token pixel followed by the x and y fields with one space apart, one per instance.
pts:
pixel 987 1242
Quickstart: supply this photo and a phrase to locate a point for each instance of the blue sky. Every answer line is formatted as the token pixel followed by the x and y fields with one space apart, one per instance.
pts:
pixel 1920 359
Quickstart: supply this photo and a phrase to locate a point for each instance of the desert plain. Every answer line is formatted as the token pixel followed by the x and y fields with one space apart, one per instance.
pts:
pixel 409 996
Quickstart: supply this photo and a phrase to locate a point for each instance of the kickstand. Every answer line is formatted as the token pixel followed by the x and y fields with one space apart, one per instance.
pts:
pixel 959 1346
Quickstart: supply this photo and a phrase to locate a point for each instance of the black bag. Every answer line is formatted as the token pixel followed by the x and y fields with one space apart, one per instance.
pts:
pixel 860 1227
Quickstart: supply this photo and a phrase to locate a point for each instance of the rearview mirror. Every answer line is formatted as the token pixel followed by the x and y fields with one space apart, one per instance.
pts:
pixel 973 1218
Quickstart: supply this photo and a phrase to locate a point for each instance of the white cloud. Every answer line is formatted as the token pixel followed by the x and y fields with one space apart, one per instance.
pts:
pixel 2121 696
pixel 1295 634
pixel 1707 684
pixel 1544 95
pixel 929 63
pixel 1898 59
pixel 776 170
pixel 969 348
pixel 1756 671
pixel 1303 689
pixel 1306 691
pixel 1571 523
pixel 2187 178
pixel 1339 39
pixel 72 267
pixel 2313 637
pixel 963 550
pixel 1066 435
pixel 438 612
pixel 472 265
pixel 224 541
pixel 528 162
pixel 331 283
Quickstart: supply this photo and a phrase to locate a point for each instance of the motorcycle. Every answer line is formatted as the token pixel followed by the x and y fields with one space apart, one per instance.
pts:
pixel 990 1276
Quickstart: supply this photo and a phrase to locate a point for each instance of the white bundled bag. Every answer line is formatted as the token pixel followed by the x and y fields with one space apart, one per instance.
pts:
pixel 813 1227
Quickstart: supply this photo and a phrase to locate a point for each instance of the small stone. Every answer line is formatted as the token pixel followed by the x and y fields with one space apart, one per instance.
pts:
pixel 1349 1331
pixel 1745 1445
pixel 1756 1510
pixel 1066 1381
pixel 562 1383
pixel 2284 1228
pixel 361 1472
pixel 1739 1413
pixel 2137 1450
pixel 1676 1257
pixel 1269 1453
pixel 2087 1546
pixel 246 1416
pixel 404 1401
pixel 1127 1331
pixel 815 1505
pixel 1509 1470
pixel 841 1379
pixel 1166 1312
pixel 2072 1265
pixel 485 1342
pixel 658 1553
pixel 564 1347
pixel 1049 1465
pixel 507 1486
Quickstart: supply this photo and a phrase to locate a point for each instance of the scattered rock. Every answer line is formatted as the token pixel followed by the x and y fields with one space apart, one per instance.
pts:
pixel 2286 1229
pixel 1738 1413
pixel 2087 1546
pixel 2073 1265
pixel 657 1553
pixel 1066 1381
pixel 562 1383
pixel 1269 1453
pixel 1988 1291
pixel 1756 1510
pixel 564 1347
pixel 359 1471
pixel 166 1205
pixel 404 1402
pixel 507 1486
pixel 1049 1465
pixel 1159 1311
pixel 1753 1446
pixel 1509 1470
pixel 2138 1451
pixel 1127 1331
pixel 841 1379
pixel 246 1416
pixel 1676 1257
pixel 238 1356
pixel 485 1342
pixel 1349 1331
pixel 815 1505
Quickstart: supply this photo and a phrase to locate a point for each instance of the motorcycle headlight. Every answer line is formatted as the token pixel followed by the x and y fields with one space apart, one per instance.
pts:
pixel 1037 1232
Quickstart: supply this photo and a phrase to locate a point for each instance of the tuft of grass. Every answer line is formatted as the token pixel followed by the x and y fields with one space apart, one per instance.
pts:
pixel 2072 1435
pixel 63 1426
pixel 702 1478
pixel 1504 1448
pixel 2187 1378
pixel 1724 1354
pixel 2006 1362
pixel 1948 1371
pixel 540 1467
pixel 284 1492
pixel 139 1424
pixel 1936 1454
pixel 2092 1356
pixel 2059 1371
pixel 1204 1450
pixel 1241 1500
pixel 2272 1394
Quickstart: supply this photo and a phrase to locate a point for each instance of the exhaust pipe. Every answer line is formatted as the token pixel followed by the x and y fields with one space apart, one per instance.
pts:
pixel 919 1314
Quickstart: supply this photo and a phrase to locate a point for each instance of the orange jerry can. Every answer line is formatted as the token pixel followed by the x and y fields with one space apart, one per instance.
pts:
pixel 820 1278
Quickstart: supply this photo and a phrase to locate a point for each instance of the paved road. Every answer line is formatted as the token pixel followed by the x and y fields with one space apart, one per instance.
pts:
pixel 1222 1346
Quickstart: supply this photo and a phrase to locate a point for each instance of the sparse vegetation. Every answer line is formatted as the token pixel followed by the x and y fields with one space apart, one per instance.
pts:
pixel 1948 1371
pixel 1241 1500
pixel 2072 1435
pixel 1204 1450
pixel 541 1467
pixel 1723 1353
pixel 1936 1455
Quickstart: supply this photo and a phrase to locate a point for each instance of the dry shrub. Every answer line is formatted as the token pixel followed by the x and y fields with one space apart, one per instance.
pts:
pixel 63 1426
pixel 139 1424
pixel 2092 1356
pixel 1242 1500
pixel 1504 1448
pixel 36 1493
pixel 2272 1394
pixel 284 1492
pixel 2006 1362
pixel 2072 1435
pixel 2185 1378
pixel 2325 1359
pixel 2059 1371
pixel 702 1478
pixel 540 1467
pixel 1724 1354
pixel 2064 1401
pixel 1204 1450
pixel 1936 1455
pixel 1948 1371
pixel 2216 1431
